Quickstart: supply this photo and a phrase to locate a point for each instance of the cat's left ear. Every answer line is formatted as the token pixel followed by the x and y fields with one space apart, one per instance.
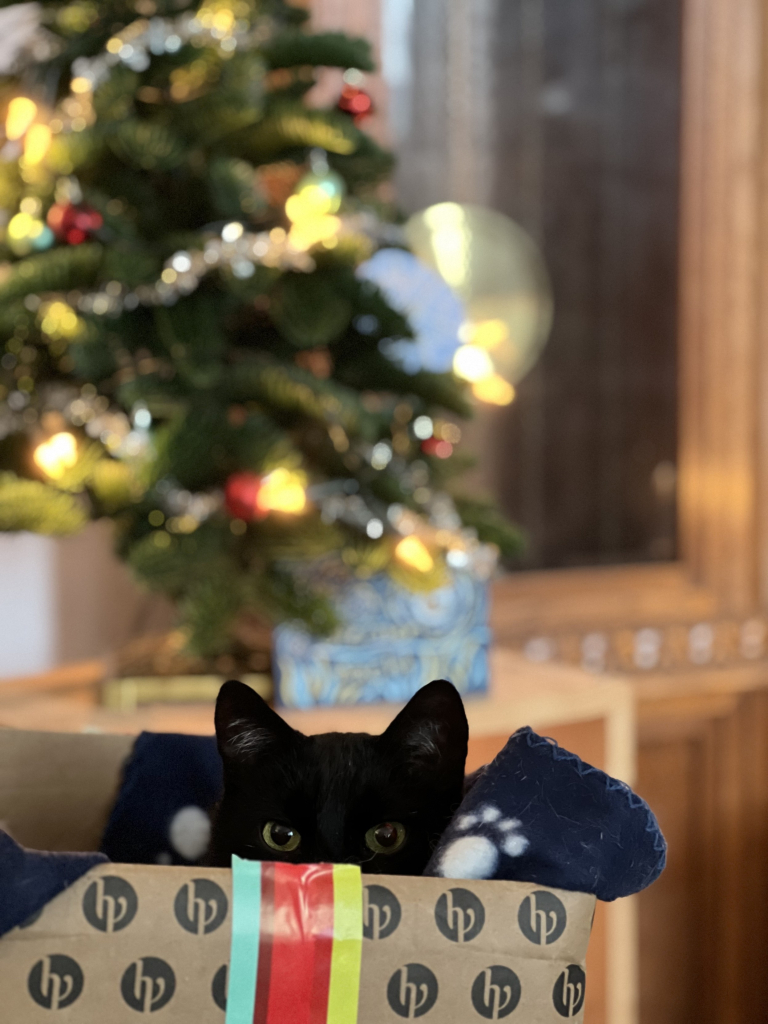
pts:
pixel 246 726
pixel 431 733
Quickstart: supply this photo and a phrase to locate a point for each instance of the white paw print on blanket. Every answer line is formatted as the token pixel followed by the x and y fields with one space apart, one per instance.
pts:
pixel 476 853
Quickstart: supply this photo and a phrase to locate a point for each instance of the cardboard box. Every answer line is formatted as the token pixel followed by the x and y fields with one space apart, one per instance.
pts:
pixel 130 939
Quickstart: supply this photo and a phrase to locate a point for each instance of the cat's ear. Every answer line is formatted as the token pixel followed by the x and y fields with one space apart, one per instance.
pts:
pixel 430 734
pixel 246 726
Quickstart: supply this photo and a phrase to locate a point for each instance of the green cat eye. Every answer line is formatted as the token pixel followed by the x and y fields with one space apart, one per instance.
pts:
pixel 387 837
pixel 280 837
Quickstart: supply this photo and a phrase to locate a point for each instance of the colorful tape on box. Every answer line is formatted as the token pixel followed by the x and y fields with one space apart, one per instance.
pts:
pixel 296 943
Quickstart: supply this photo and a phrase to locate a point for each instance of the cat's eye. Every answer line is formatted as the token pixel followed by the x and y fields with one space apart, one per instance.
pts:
pixel 280 837
pixel 387 837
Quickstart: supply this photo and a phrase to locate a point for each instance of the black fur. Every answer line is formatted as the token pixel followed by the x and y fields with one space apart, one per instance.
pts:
pixel 334 787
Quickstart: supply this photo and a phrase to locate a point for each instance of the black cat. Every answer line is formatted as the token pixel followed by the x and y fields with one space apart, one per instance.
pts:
pixel 379 801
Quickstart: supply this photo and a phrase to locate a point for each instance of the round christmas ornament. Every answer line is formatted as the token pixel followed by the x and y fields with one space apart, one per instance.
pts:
pixel 497 270
pixel 73 224
pixel 355 101
pixel 240 493
pixel 433 310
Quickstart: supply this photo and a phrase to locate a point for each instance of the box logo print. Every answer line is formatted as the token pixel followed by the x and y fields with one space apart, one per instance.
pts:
pixel 542 918
pixel 219 987
pixel 381 912
pixel 200 906
pixel 55 982
pixel 459 915
pixel 110 903
pixel 148 984
pixel 496 992
pixel 568 993
pixel 412 991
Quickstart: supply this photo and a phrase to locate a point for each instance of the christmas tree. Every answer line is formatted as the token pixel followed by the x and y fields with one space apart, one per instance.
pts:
pixel 189 344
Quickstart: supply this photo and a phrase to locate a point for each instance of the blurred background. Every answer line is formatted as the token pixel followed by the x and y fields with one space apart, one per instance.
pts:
pixel 626 137
pixel 567 120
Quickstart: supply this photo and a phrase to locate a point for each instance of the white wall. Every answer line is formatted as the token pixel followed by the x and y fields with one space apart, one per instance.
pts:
pixel 27 604
pixel 68 599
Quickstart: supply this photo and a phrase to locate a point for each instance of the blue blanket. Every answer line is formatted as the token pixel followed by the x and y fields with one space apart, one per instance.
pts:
pixel 170 786
pixel 538 813
pixel 28 879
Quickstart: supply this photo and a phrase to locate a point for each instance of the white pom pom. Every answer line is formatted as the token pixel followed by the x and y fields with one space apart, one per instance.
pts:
pixel 515 845
pixel 189 832
pixel 466 821
pixel 490 813
pixel 469 857
pixel 508 824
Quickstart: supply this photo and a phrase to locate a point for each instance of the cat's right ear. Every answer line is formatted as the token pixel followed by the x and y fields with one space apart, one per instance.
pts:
pixel 246 726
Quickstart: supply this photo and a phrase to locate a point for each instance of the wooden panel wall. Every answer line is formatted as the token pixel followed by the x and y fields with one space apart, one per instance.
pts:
pixel 703 767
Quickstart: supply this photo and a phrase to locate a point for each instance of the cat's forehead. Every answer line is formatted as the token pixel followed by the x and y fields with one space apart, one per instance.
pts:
pixel 342 748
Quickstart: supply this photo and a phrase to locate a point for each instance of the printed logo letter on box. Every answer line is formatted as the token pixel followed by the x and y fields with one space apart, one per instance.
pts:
pixel 381 912
pixel 459 915
pixel 219 987
pixel 148 984
pixel 542 918
pixel 200 906
pixel 110 903
pixel 412 991
pixel 568 993
pixel 496 992
pixel 55 982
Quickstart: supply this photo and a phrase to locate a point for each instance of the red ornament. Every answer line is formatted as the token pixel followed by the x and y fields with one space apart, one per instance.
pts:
pixel 73 224
pixel 440 449
pixel 356 102
pixel 240 493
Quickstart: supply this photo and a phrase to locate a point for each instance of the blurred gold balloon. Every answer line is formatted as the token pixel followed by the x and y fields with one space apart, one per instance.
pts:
pixel 495 267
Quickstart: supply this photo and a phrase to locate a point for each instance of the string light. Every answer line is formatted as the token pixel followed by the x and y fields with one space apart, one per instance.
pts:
pixel 21 114
pixel 312 230
pixel 282 490
pixel 26 232
pixel 493 389
pixel 472 363
pixel 413 552
pixel 56 455
pixel 312 207
pixel 488 334
pixel 37 143
pixel 59 321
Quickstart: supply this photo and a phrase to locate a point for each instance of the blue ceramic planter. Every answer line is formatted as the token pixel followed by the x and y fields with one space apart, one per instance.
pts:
pixel 391 642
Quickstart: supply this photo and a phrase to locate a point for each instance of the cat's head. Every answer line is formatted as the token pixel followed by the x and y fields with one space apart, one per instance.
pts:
pixel 379 801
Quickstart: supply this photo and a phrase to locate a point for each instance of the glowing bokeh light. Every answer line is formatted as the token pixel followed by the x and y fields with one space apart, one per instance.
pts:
pixel 21 114
pixel 413 552
pixel 56 455
pixel 282 490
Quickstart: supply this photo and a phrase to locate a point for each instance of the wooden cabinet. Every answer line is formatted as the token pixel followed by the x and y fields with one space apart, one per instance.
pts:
pixel 703 767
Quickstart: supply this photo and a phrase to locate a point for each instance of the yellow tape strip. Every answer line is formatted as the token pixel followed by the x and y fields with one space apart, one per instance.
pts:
pixel 344 989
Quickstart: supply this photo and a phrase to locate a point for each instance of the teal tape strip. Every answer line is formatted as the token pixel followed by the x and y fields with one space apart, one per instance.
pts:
pixel 244 950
